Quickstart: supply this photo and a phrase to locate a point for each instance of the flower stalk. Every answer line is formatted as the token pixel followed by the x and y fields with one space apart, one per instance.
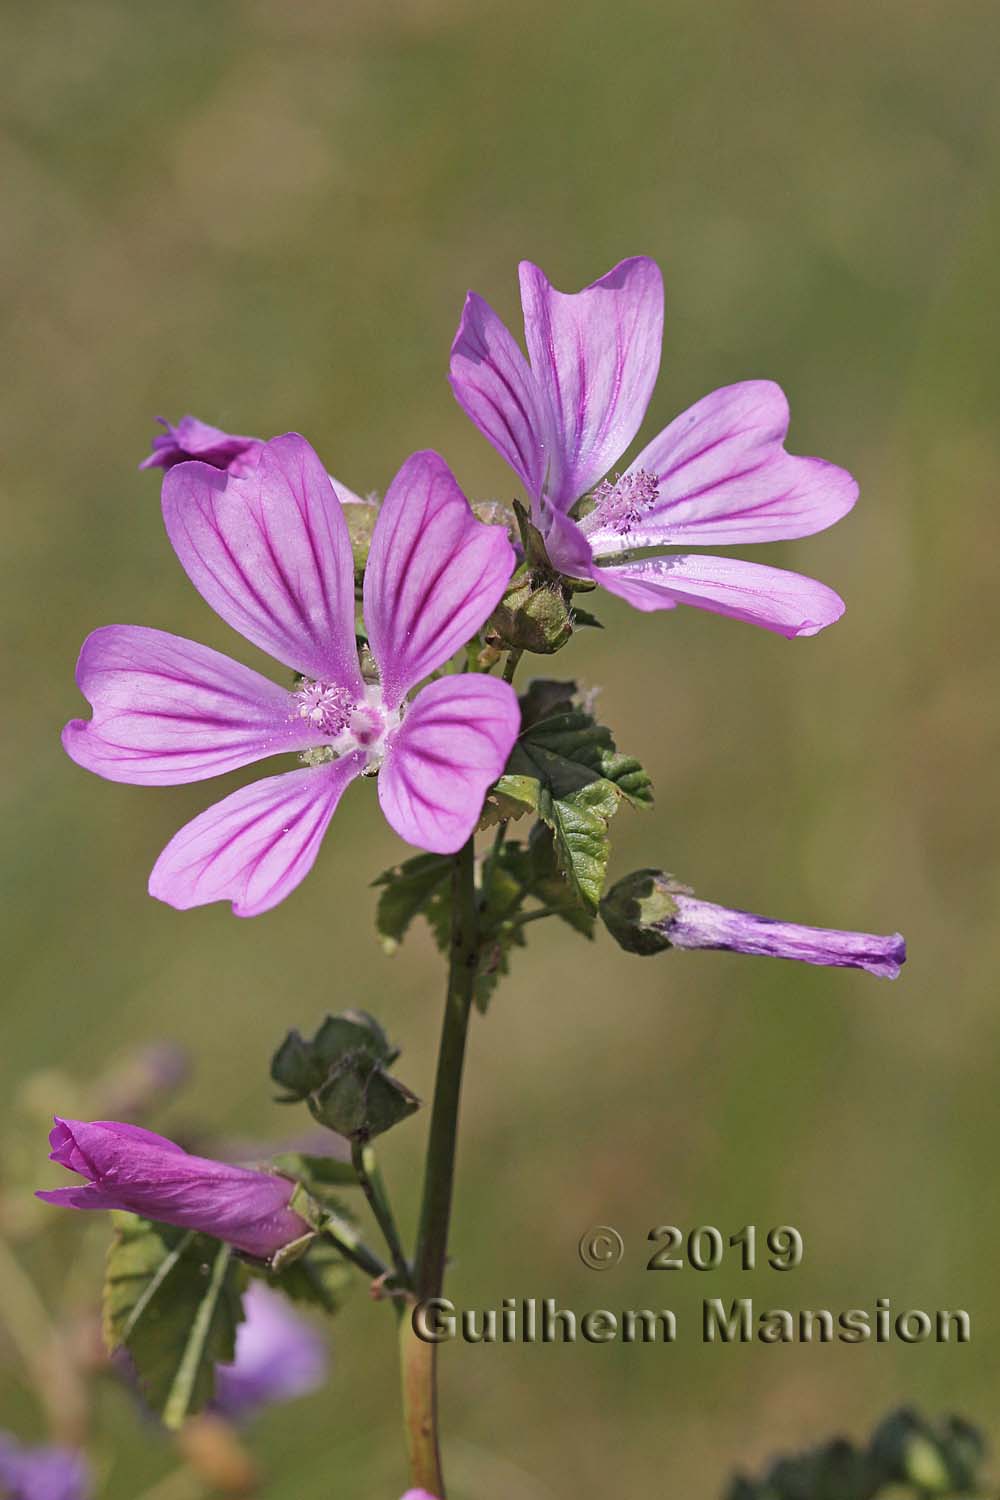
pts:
pixel 370 1179
pixel 419 1359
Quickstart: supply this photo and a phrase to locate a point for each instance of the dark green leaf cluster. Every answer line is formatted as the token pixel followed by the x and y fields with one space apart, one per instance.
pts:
pixel 513 874
pixel 342 1075
pixel 906 1456
pixel 566 769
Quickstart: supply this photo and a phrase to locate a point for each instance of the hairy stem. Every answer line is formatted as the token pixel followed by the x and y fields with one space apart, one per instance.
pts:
pixel 370 1178
pixel 420 1358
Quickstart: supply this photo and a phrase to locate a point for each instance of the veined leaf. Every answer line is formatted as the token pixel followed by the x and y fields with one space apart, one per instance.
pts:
pixel 173 1302
pixel 407 888
pixel 566 768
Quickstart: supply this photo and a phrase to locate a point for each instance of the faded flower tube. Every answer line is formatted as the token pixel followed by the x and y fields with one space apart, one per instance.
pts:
pixel 649 911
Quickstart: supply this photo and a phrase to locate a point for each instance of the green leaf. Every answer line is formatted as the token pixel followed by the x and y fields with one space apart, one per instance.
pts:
pixel 173 1301
pixel 407 888
pixel 566 768
pixel 321 1276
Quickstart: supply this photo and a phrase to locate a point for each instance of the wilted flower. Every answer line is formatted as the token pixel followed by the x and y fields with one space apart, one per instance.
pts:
pixel 193 439
pixel 223 450
pixel 48 1473
pixel 133 1169
pixel 648 911
pixel 278 1356
pixel 718 473
pixel 270 551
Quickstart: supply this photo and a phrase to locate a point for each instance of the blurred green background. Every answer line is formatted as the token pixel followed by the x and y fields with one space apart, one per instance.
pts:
pixel 268 214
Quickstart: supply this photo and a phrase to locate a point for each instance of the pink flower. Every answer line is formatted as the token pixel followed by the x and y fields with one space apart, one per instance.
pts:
pixel 718 473
pixel 270 551
pixel 129 1168
pixel 193 439
pixel 279 1356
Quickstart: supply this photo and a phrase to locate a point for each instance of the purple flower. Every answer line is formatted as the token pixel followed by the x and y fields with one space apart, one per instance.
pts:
pixel 701 924
pixel 42 1473
pixel 270 551
pixel 648 911
pixel 419 1495
pixel 718 473
pixel 223 450
pixel 193 439
pixel 133 1169
pixel 278 1356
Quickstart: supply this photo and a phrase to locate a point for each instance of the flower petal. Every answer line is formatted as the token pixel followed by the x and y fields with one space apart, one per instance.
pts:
pixel 702 924
pixel 595 355
pixel 271 554
pixel 494 386
pixel 787 603
pixel 450 748
pixel 434 574
pixel 724 478
pixel 254 847
pixel 193 439
pixel 167 710
pixel 567 546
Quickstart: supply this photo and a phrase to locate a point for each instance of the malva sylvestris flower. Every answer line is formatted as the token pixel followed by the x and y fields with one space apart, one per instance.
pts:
pixel 270 552
pixel 717 475
pixel 279 1356
pixel 142 1173
pixel 44 1473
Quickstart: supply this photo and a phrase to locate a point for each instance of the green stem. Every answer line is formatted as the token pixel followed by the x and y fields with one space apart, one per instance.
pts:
pixel 353 1248
pixel 510 665
pixel 373 1187
pixel 523 918
pixel 420 1358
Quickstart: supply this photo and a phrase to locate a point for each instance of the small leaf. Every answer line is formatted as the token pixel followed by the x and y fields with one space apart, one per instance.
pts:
pixel 544 697
pixel 407 889
pixel 172 1301
pixel 321 1276
pixel 509 798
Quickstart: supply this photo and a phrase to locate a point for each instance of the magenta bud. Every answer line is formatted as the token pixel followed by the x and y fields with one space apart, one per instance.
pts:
pixel 132 1169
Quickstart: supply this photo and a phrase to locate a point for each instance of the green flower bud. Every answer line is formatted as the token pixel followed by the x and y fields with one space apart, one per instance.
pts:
pixel 533 615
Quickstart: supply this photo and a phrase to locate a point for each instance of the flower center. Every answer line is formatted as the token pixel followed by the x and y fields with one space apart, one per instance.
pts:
pixel 325 705
pixel 346 723
pixel 622 502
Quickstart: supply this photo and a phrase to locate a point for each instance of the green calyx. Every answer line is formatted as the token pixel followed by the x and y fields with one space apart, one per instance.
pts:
pixel 342 1075
pixel 638 910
